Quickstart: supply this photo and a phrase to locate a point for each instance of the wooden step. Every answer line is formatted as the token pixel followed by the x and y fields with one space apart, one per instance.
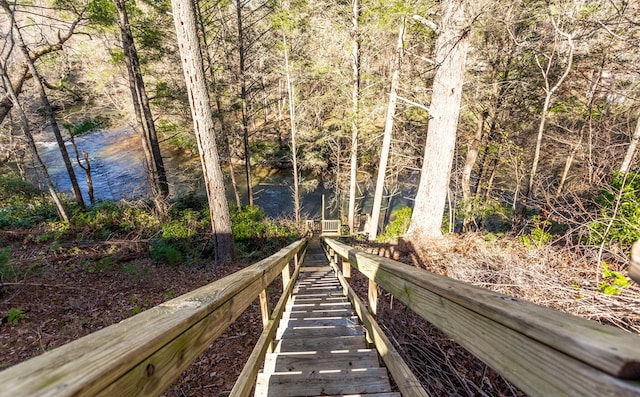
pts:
pixel 315 344
pixel 343 312
pixel 357 381
pixel 324 360
pixel 320 322
pixel 314 332
pixel 318 306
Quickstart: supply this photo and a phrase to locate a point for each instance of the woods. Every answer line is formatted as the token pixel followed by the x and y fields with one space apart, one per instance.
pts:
pixel 506 112
pixel 491 142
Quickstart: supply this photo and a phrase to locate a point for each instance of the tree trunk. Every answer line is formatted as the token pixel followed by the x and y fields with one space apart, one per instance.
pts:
pixel 473 148
pixel 549 92
pixel 243 100
pixel 444 111
pixel 224 134
pixel 26 129
pixel 191 55
pixel 386 141
pixel 355 108
pixel 142 110
pixel 631 150
pixel 292 120
pixel 86 167
pixel 48 110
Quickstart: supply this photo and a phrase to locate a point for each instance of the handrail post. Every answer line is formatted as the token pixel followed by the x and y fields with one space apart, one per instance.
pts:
pixel 266 314
pixel 372 295
pixel 346 269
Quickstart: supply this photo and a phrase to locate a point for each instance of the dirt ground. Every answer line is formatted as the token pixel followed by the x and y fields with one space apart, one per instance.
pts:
pixel 70 290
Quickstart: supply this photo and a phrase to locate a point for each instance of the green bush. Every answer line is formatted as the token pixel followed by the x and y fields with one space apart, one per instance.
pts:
pixel 248 222
pixel 538 236
pixel 399 225
pixel 23 205
pixel 108 217
pixel 625 221
pixel 163 252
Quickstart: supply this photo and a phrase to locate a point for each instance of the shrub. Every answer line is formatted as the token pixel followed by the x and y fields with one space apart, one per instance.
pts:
pixel 248 222
pixel 619 222
pixel 538 236
pixel 163 252
pixel 398 226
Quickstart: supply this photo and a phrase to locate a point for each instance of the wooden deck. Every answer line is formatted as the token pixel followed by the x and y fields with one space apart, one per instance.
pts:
pixel 320 347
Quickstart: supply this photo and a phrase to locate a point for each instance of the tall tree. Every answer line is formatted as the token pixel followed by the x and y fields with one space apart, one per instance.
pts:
pixel 190 52
pixel 388 131
pixel 292 122
pixel 451 52
pixel 242 75
pixel 142 109
pixel 355 108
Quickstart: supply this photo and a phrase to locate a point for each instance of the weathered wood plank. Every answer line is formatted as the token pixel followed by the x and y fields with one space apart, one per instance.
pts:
pixel 327 360
pixel 143 354
pixel 247 378
pixel 318 313
pixel 406 381
pixel 321 344
pixel 509 334
pixel 314 332
pixel 321 322
pixel 363 381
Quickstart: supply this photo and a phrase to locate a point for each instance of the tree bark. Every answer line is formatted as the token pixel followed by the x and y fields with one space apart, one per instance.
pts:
pixel 386 140
pixel 142 110
pixel 191 55
pixel 444 111
pixel 224 132
pixel 355 108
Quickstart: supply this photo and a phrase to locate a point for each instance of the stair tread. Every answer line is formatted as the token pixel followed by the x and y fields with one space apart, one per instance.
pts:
pixel 322 360
pixel 358 381
pixel 321 344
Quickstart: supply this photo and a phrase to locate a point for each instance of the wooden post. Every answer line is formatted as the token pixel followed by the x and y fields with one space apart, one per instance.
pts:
pixel 346 269
pixel 323 207
pixel 373 297
pixel 286 276
pixel 264 307
pixel 266 314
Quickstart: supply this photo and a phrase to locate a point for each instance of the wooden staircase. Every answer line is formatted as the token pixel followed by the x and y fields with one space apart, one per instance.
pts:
pixel 320 347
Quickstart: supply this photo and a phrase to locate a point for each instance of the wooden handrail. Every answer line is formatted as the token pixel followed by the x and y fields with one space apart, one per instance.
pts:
pixel 144 354
pixel 543 351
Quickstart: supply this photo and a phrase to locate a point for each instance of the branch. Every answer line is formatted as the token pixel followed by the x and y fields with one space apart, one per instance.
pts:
pixel 427 23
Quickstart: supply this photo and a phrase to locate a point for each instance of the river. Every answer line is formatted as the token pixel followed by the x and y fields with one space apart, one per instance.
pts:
pixel 118 173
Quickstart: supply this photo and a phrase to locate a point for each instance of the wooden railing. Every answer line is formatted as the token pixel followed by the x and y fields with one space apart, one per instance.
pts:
pixel 330 226
pixel 542 351
pixel 144 354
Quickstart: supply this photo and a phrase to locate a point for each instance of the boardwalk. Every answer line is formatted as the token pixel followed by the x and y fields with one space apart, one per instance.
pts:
pixel 321 348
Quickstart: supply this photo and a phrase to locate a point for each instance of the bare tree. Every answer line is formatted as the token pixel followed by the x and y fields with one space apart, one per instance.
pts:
pixel 46 104
pixel 388 130
pixel 355 108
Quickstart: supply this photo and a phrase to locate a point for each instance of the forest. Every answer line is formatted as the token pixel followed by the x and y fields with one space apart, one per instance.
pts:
pixel 492 142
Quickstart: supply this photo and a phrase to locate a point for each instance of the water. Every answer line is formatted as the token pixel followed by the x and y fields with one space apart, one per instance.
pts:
pixel 118 173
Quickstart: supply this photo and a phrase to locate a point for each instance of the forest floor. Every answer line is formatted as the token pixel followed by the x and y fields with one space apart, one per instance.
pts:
pixel 67 290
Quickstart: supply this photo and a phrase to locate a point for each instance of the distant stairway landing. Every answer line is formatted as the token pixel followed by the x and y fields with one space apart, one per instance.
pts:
pixel 320 347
